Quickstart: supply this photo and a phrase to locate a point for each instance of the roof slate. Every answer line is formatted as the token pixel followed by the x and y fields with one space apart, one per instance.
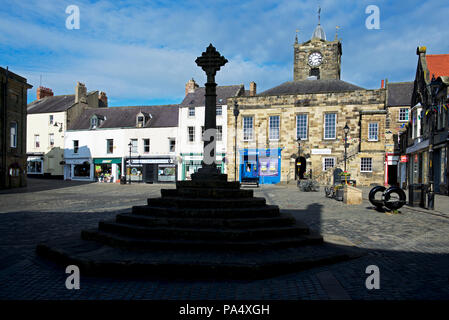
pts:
pixel 310 86
pixel 399 93
pixel 51 104
pixel 197 99
pixel 125 117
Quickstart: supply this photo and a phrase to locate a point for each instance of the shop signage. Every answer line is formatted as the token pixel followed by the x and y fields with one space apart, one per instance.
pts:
pixel 404 158
pixel 148 161
pixel 76 161
pixel 321 151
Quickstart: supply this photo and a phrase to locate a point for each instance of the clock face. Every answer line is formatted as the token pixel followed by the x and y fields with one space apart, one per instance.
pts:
pixel 315 59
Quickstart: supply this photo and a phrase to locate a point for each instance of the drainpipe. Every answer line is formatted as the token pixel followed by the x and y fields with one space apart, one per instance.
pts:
pixel 4 147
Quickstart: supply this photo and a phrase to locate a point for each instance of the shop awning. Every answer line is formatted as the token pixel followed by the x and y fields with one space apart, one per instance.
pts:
pixel 107 160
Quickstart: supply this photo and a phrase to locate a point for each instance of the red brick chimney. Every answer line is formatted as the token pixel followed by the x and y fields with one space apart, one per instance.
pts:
pixel 43 92
pixel 252 89
pixel 102 96
pixel 191 85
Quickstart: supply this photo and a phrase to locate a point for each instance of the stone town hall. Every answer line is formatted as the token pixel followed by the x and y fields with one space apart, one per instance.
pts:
pixel 315 107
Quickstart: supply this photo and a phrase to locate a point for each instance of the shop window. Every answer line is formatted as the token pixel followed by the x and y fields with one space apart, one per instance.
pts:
pixel 109 146
pixel 330 125
pixel 172 145
pixel 75 146
pixel 373 130
pixel 34 166
pixel 36 141
pixel 366 164
pixel 146 145
pixel 191 133
pixel 13 134
pixel 82 170
pixel 328 162
pixel 301 126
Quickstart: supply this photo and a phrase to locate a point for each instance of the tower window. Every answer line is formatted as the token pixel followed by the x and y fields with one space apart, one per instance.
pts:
pixel 315 72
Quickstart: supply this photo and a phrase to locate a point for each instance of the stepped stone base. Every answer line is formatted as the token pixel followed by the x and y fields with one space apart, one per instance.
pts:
pixel 203 228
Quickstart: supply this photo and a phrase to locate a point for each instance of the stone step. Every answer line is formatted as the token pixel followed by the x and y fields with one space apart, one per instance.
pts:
pixel 170 232
pixel 216 193
pixel 214 245
pixel 142 220
pixel 157 211
pixel 207 184
pixel 180 202
pixel 96 259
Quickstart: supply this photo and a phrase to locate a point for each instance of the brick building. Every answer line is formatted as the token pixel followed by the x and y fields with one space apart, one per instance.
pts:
pixel 316 106
pixel 13 110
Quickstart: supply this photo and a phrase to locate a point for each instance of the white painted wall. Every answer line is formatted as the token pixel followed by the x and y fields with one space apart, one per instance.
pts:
pixel 38 124
pixel 197 121
pixel 93 143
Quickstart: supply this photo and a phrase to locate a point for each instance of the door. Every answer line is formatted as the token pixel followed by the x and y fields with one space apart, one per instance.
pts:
pixel 437 169
pixel 393 175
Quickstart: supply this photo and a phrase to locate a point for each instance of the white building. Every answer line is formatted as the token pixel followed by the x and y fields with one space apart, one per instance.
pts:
pixel 191 126
pixel 101 143
pixel 47 120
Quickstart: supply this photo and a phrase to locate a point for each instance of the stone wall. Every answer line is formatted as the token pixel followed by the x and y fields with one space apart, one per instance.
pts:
pixel 330 66
pixel 347 106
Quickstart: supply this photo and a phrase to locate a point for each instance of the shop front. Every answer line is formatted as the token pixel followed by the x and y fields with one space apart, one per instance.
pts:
pixel 108 169
pixel 35 164
pixel 264 164
pixel 191 162
pixel 79 169
pixel 151 170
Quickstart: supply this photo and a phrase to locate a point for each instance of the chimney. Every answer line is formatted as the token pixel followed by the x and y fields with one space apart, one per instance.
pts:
pixel 80 93
pixel 382 83
pixel 191 85
pixel 102 96
pixel 43 92
pixel 252 89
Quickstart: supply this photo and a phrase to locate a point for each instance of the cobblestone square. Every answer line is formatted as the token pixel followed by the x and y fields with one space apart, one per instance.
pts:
pixel 411 249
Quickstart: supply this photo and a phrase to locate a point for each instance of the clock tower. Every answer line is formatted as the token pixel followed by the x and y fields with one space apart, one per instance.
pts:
pixel 317 57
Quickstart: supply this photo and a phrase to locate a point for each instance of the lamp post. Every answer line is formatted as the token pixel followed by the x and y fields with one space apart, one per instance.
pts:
pixel 130 145
pixel 433 86
pixel 298 140
pixel 346 130
pixel 236 115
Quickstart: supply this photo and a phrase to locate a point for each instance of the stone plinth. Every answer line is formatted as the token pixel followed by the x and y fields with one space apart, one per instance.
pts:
pixel 352 195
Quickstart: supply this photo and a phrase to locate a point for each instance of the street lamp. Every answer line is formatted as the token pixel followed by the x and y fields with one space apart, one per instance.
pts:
pixel 346 130
pixel 433 86
pixel 130 145
pixel 236 115
pixel 298 140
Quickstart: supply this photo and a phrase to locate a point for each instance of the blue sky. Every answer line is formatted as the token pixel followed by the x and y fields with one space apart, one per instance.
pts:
pixel 143 52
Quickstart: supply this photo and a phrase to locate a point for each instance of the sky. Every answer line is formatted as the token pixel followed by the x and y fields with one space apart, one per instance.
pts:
pixel 143 52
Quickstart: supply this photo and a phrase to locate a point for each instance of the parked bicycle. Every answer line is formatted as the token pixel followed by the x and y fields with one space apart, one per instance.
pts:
pixel 308 185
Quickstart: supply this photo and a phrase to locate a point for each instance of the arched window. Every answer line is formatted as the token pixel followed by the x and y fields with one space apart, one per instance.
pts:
pixel 13 131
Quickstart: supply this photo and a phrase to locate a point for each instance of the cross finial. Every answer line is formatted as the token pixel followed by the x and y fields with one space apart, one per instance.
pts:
pixel 211 61
pixel 296 37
